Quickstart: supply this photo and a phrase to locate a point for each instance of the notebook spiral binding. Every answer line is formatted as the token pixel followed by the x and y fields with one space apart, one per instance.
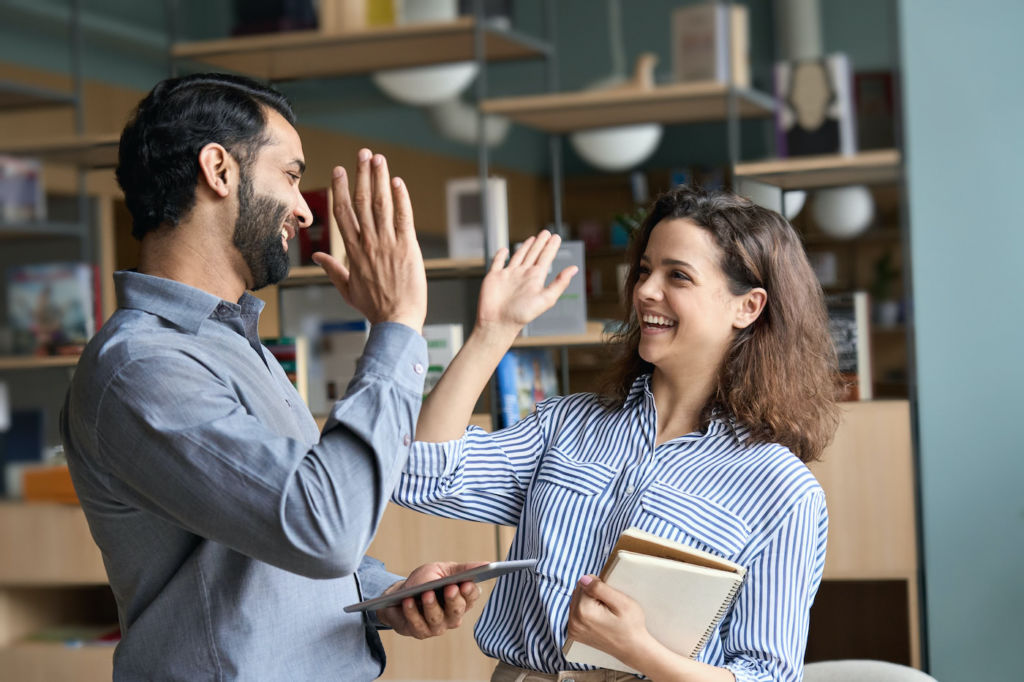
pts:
pixel 726 605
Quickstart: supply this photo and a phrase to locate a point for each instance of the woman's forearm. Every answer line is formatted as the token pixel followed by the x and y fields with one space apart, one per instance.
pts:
pixel 449 406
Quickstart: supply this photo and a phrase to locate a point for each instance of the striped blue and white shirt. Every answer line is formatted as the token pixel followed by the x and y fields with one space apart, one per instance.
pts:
pixel 574 474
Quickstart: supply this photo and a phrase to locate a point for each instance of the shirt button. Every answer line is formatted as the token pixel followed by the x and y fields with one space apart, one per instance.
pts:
pixel 418 368
pixel 406 440
pixel 630 489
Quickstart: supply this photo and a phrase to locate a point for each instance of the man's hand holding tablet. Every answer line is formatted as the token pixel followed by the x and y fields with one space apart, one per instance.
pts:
pixel 445 590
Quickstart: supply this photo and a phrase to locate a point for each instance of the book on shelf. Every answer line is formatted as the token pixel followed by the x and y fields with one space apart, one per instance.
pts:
pixel 814 112
pixel 684 592
pixel 22 197
pixel 464 212
pixel 52 308
pixel 443 343
pixel 525 376
pixel 711 42
pixel 849 320
pixel 569 314
pixel 292 352
pixel 341 345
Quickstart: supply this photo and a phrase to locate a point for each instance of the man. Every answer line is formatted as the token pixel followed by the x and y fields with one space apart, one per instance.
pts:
pixel 232 530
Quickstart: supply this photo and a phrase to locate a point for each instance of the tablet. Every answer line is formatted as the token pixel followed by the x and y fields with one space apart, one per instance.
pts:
pixel 478 574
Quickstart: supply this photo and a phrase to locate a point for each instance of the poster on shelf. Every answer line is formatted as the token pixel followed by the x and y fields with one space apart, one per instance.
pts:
pixel 814 113
pixel 52 308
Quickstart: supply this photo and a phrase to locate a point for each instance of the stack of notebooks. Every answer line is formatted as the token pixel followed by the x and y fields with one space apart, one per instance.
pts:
pixel 683 591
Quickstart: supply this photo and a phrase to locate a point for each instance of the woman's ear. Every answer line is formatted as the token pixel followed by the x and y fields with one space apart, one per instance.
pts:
pixel 750 306
pixel 217 169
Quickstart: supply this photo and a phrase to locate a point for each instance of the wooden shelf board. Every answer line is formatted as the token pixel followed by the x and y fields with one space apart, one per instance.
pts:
pixel 54 546
pixel 311 54
pixel 807 172
pixel 87 151
pixel 41 228
pixel 33 661
pixel 37 361
pixel 305 275
pixel 594 336
pixel 674 103
pixel 14 96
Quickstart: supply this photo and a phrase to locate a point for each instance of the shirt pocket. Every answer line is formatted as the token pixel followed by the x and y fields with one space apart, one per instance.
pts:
pixel 693 520
pixel 587 478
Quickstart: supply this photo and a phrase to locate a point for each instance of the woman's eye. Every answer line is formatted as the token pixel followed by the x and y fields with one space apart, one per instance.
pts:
pixel 681 276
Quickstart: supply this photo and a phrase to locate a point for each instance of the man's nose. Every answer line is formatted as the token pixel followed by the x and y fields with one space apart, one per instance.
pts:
pixel 302 212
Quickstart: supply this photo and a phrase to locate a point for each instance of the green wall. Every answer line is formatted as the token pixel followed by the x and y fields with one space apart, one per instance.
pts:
pixel 963 96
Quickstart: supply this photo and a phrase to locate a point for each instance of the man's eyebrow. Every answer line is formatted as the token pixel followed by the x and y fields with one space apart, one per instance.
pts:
pixel 301 164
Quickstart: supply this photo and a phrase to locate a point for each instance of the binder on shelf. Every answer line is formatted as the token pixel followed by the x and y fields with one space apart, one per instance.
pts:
pixel 465 217
pixel 849 323
pixel 711 42
pixel 443 343
pixel 292 352
pixel 683 591
pixel 569 314
pixel 525 376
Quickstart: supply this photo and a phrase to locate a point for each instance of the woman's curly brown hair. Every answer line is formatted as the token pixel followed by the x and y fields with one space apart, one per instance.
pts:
pixel 779 378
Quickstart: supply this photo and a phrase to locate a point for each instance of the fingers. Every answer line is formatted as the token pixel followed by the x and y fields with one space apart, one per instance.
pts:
pixel 499 259
pixel 433 618
pixel 348 225
pixel 542 245
pixel 559 284
pixel 520 254
pixel 364 197
pixel 336 271
pixel 404 224
pixel 381 201
pixel 599 591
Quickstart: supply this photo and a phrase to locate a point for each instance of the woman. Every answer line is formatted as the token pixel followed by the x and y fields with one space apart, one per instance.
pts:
pixel 725 386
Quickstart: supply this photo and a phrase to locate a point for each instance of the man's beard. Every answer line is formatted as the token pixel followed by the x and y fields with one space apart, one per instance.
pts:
pixel 257 234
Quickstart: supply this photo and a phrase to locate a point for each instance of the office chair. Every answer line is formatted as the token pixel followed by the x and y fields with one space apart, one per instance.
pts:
pixel 862 670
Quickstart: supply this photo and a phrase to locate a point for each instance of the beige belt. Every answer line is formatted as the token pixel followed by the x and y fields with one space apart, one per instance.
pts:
pixel 510 673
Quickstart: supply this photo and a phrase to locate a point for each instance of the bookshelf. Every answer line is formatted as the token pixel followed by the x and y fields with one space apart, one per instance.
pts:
pixel 563 112
pixel 56 577
pixel 11 362
pixel 15 96
pixel 312 54
pixel 86 151
pixel 880 166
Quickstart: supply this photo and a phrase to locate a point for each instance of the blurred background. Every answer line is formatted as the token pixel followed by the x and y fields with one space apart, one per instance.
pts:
pixel 873 125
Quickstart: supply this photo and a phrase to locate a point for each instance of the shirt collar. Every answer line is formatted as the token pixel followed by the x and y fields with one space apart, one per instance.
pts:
pixel 184 306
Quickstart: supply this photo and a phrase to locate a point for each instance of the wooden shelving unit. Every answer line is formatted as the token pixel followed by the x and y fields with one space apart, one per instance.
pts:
pixel 594 336
pixel 436 268
pixel 37 361
pixel 564 112
pixel 312 54
pixel 14 96
pixel 810 172
pixel 52 575
pixel 868 476
pixel 85 151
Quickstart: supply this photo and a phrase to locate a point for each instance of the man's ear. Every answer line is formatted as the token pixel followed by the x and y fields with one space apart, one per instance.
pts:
pixel 751 305
pixel 217 169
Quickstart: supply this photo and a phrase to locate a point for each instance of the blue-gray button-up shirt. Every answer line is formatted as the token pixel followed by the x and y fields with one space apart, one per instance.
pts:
pixel 232 530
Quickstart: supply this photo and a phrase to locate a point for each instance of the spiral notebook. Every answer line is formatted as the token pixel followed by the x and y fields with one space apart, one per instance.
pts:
pixel 683 591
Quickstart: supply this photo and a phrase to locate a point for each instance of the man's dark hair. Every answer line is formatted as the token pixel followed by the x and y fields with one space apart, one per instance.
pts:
pixel 158 160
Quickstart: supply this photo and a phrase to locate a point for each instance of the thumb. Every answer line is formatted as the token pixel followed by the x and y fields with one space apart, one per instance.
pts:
pixel 595 588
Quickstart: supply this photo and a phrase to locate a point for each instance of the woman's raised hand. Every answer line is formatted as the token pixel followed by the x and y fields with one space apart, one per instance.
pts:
pixel 514 294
